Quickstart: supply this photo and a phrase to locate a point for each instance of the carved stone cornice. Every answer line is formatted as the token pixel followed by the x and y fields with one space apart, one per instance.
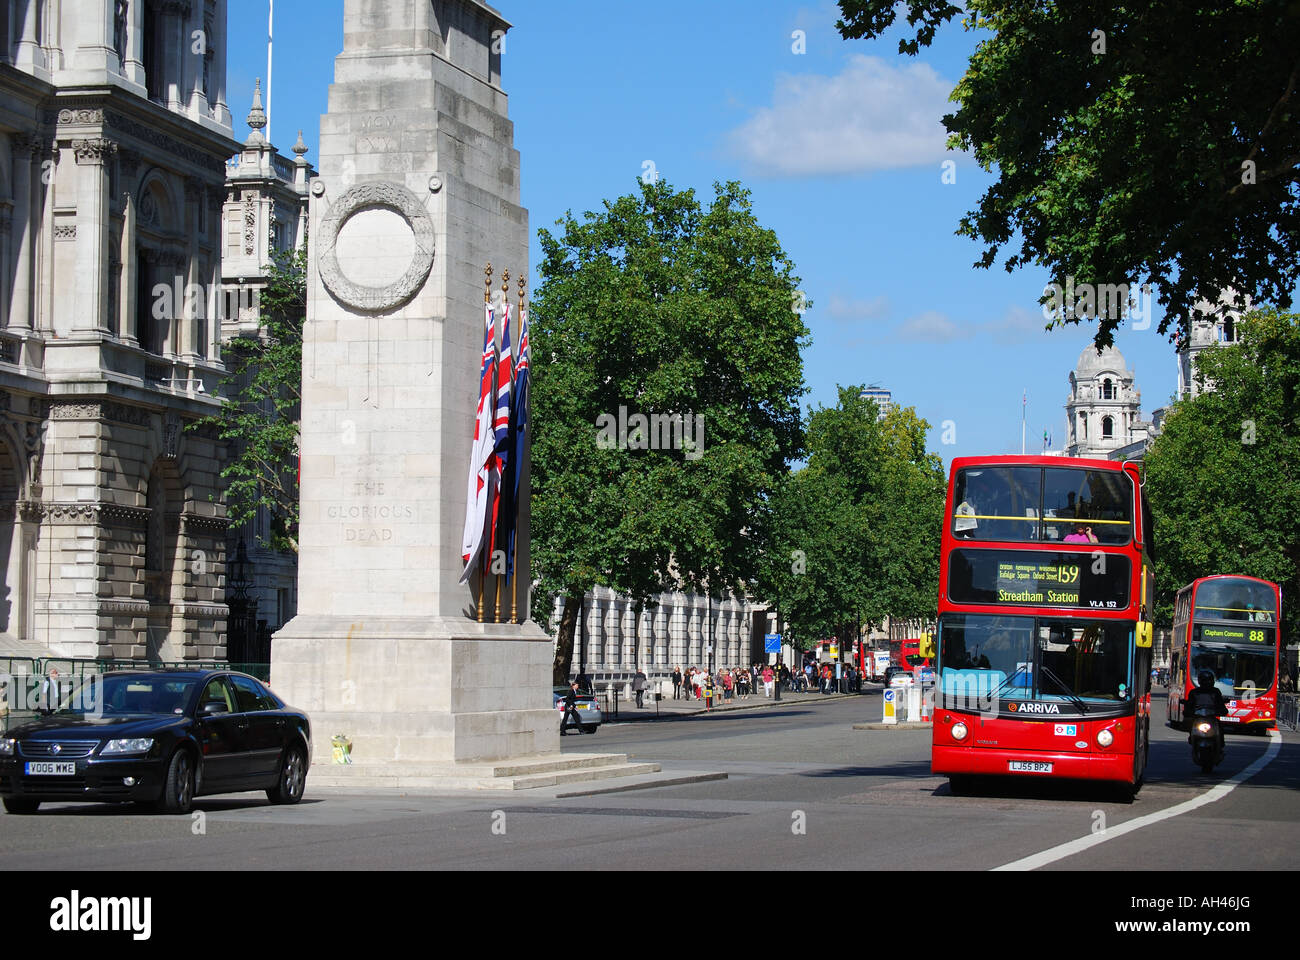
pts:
pixel 136 608
pixel 97 513
pixel 196 524
pixel 121 124
pixel 27 145
pixel 81 116
pixel 65 231
pixel 75 410
pixel 93 151
pixel 123 413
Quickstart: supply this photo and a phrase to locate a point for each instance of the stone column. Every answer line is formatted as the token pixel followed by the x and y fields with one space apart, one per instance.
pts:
pixel 94 50
pixel 24 231
pixel 30 54
pixel 92 233
pixel 6 228
pixel 177 47
pixel 217 90
pixel 133 68
pixel 190 345
pixel 128 325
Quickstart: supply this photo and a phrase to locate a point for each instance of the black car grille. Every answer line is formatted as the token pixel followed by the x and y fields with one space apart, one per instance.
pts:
pixel 67 749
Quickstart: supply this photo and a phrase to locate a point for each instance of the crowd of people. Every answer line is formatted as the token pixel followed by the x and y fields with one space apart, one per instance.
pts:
pixel 741 683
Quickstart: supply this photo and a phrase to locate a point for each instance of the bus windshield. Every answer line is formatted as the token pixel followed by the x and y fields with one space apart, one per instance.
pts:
pixel 1228 598
pixel 1035 657
pixel 1027 504
pixel 1238 673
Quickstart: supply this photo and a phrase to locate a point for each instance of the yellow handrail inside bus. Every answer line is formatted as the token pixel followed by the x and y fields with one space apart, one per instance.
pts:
pixel 1060 521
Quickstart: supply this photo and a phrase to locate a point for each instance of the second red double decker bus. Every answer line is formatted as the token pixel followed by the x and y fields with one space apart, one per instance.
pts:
pixel 1229 626
pixel 1044 636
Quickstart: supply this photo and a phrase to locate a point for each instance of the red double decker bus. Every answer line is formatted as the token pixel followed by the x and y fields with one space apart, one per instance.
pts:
pixel 1229 626
pixel 1044 638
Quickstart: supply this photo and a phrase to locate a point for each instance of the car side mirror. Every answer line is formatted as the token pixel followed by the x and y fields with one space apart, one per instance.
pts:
pixel 213 707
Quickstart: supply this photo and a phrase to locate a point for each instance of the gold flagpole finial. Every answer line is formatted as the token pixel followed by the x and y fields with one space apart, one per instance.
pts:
pixel 487 283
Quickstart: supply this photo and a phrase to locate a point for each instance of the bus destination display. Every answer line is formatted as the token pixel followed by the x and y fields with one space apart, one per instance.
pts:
pixel 1219 633
pixel 1041 579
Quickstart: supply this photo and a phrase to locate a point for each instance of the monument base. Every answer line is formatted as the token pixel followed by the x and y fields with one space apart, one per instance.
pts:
pixel 428 691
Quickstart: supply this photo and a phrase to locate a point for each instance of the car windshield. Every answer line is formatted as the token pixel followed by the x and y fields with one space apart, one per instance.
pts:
pixel 119 694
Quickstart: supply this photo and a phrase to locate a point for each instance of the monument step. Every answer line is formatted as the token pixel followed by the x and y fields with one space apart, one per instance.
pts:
pixel 484 769
pixel 378 777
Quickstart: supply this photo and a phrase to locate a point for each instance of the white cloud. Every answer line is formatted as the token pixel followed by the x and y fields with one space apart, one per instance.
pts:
pixel 844 310
pixel 872 116
pixel 931 326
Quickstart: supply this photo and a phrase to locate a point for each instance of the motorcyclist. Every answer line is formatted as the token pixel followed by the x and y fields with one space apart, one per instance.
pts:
pixel 1206 696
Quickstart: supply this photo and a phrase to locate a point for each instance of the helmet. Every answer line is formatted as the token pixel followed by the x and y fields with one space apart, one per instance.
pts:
pixel 1205 679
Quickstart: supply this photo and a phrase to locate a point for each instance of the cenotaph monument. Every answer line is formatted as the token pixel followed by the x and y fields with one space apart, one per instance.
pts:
pixel 418 190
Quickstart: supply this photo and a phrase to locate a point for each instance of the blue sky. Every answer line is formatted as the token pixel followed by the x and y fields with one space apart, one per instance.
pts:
pixel 841 145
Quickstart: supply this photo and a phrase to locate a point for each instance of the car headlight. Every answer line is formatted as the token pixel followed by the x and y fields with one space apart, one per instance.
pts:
pixel 6 748
pixel 1105 738
pixel 959 731
pixel 136 745
pixel 1203 727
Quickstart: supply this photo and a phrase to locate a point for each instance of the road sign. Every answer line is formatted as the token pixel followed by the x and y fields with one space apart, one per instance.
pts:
pixel 771 643
pixel 891 713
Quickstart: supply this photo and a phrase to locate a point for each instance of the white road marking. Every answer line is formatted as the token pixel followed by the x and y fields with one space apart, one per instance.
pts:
pixel 1216 793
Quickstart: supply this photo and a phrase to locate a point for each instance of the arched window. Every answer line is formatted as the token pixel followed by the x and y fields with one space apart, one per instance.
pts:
pixel 1229 330
pixel 1083 426
pixel 1107 390
pixel 1107 428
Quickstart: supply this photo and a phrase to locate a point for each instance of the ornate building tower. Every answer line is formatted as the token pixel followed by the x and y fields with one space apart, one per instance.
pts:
pixel 1104 409
pixel 1212 323
pixel 114 133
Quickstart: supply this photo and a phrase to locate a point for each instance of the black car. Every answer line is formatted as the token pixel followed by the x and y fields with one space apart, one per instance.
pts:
pixel 158 737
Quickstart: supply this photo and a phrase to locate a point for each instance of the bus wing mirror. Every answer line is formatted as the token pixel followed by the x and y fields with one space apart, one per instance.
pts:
pixel 1144 632
pixel 925 648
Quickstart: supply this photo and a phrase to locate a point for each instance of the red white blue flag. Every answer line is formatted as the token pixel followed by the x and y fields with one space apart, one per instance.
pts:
pixel 483 470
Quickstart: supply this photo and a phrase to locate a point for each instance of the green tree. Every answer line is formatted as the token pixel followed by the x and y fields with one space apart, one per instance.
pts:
pixel 659 306
pixel 855 533
pixel 1223 478
pixel 1152 142
pixel 263 393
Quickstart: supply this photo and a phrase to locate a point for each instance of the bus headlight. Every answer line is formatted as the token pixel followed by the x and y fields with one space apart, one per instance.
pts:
pixel 1105 738
pixel 959 731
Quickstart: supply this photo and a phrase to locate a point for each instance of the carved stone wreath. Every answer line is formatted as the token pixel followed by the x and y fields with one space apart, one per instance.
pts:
pixel 365 196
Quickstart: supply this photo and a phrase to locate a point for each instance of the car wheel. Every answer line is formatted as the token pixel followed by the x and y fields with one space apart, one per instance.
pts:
pixel 178 789
pixel 589 728
pixel 21 805
pixel 293 778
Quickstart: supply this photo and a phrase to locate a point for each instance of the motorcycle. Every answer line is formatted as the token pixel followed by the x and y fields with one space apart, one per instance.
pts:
pixel 1206 741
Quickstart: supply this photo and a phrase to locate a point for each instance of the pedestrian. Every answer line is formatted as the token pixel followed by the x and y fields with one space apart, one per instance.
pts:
pixel 49 699
pixel 571 708
pixel 677 682
pixel 768 677
pixel 638 686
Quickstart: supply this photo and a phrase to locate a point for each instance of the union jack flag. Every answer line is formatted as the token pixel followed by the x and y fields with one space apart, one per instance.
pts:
pixel 483 469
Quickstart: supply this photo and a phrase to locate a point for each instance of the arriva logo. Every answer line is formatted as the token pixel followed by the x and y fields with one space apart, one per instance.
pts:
pixel 1034 707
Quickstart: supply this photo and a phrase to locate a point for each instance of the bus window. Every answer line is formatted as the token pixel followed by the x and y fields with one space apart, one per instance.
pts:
pixel 1103 500
pixel 997 503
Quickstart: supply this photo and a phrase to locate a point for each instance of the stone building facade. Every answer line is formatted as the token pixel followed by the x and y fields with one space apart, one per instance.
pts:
pixel 1211 324
pixel 610 643
pixel 114 133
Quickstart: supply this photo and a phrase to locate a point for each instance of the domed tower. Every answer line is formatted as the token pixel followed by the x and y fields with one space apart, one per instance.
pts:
pixel 1104 410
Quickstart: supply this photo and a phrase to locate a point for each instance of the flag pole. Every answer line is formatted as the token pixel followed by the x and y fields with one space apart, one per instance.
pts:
pixel 487 300
pixel 1024 400
pixel 514 548
pixel 497 577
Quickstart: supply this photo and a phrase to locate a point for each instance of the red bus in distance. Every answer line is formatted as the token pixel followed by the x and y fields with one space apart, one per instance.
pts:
pixel 1228 625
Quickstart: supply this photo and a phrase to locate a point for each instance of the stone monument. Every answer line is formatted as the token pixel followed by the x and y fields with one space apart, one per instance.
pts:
pixel 418 189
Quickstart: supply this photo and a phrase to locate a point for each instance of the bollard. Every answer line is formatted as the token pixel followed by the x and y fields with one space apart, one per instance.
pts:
pixel 890 701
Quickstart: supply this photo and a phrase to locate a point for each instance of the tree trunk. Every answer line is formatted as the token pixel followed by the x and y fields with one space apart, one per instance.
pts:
pixel 564 641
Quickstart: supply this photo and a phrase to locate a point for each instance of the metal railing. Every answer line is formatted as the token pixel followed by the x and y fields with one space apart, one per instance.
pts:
pixel 1288 710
